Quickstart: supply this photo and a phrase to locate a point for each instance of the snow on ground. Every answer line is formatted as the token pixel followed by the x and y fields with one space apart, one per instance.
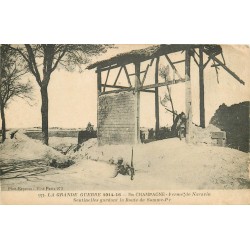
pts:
pixel 201 135
pixel 62 144
pixel 173 164
pixel 21 147
pixel 165 164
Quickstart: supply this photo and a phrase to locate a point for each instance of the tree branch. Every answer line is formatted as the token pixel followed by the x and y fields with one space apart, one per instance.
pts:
pixel 59 59
pixel 33 63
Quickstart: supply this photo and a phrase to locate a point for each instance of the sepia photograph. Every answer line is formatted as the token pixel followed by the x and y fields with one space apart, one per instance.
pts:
pixel 124 124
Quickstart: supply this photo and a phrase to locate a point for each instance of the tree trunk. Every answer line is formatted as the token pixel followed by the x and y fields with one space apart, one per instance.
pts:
pixel 44 111
pixel 3 123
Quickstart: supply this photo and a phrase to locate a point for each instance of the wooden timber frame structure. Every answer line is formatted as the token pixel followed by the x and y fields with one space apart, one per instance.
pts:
pixel 192 52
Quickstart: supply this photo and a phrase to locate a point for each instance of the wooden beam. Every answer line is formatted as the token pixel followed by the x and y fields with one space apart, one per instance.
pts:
pixel 116 79
pixel 215 65
pixel 133 74
pixel 148 91
pixel 99 90
pixel 123 90
pixel 116 86
pixel 202 89
pixel 227 69
pixel 156 85
pixel 152 60
pixel 137 102
pixel 145 75
pixel 171 111
pixel 195 52
pixel 108 68
pixel 181 61
pixel 188 97
pixel 124 87
pixel 145 88
pixel 195 60
pixel 106 80
pixel 217 73
pixel 126 72
pixel 157 115
pixel 205 65
pixel 99 81
pixel 117 91
pixel 173 67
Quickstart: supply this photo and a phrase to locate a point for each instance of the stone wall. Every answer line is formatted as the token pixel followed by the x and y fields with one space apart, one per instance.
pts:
pixel 116 118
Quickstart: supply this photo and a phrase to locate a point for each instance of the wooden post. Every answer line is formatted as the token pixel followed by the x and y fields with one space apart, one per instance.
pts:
pixel 137 101
pixel 201 80
pixel 99 90
pixel 99 81
pixel 157 116
pixel 188 96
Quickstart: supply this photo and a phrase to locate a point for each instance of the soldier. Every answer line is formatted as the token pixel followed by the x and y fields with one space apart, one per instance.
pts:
pixel 125 168
pixel 181 125
pixel 90 127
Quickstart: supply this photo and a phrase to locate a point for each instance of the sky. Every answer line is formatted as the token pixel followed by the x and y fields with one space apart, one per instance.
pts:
pixel 73 96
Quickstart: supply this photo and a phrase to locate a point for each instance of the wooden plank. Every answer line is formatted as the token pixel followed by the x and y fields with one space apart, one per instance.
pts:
pixel 160 84
pixel 215 65
pixel 126 72
pixel 171 111
pixel 157 115
pixel 217 73
pixel 172 66
pixel 116 79
pixel 106 80
pixel 108 68
pixel 128 88
pixel 148 91
pixel 227 69
pixel 99 90
pixel 116 91
pixel 144 71
pixel 181 61
pixel 137 102
pixel 145 75
pixel 202 89
pixel 124 89
pixel 195 52
pixel 188 97
pixel 195 60
pixel 151 62
pixel 133 74
pixel 205 65
pixel 145 88
pixel 116 86
pixel 99 81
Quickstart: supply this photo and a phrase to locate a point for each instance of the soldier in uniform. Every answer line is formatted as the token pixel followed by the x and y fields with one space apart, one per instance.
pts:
pixel 125 168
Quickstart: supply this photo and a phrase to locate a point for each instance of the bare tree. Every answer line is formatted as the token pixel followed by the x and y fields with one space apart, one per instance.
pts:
pixel 164 73
pixel 12 70
pixel 43 59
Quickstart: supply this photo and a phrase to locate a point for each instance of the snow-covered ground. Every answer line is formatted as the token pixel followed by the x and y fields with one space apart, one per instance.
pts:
pixel 21 147
pixel 173 164
pixel 165 164
pixel 62 144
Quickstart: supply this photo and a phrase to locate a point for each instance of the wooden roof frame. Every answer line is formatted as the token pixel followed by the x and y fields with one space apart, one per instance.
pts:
pixel 152 53
pixel 140 55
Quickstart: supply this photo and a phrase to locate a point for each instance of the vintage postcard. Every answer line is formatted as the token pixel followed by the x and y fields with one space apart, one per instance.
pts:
pixel 124 124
